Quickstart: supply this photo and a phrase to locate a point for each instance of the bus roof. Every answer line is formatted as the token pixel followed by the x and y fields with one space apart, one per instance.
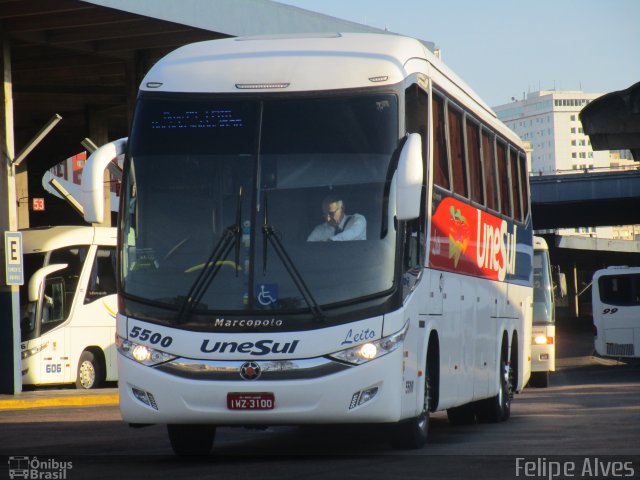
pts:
pixel 539 243
pixel 615 271
pixel 298 63
pixel 50 238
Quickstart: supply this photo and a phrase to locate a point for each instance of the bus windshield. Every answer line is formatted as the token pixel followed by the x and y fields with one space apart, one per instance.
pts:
pixel 221 198
pixel 543 307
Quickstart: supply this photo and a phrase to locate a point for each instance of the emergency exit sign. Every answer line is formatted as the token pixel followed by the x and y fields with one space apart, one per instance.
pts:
pixel 14 266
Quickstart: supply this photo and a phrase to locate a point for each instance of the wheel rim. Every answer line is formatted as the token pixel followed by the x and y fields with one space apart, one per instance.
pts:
pixel 87 374
pixel 423 419
pixel 506 392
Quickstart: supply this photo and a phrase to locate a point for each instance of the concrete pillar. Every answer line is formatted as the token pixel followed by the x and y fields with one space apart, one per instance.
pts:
pixel 10 373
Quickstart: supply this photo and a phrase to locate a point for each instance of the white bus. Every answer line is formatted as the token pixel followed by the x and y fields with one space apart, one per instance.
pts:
pixel 228 315
pixel 543 339
pixel 616 311
pixel 68 306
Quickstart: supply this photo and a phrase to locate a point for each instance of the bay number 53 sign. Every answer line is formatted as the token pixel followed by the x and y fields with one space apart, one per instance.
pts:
pixel 14 266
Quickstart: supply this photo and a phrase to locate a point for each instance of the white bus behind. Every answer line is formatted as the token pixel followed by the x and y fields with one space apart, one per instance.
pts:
pixel 616 311
pixel 68 306
pixel 543 335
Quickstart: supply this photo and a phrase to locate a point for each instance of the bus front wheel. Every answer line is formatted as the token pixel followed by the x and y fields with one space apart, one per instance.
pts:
pixel 412 434
pixel 90 371
pixel 191 440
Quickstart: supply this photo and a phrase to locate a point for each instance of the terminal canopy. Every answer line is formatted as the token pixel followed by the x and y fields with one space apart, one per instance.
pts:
pixel 613 121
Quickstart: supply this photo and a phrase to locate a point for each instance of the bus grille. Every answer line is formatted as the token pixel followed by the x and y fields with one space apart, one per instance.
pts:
pixel 620 349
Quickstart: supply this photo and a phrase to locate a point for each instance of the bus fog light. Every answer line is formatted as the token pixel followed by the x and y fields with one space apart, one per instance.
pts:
pixel 363 396
pixel 141 395
pixel 145 397
pixel 367 395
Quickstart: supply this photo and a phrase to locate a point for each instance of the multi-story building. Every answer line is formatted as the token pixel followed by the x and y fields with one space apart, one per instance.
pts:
pixel 550 121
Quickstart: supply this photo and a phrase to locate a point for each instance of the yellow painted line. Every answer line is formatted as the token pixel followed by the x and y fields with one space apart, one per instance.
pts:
pixel 75 401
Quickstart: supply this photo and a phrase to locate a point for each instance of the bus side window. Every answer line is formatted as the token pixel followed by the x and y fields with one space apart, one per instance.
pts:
pixel 503 179
pixel 103 276
pixel 489 168
pixel 516 190
pixel 524 185
pixel 456 148
pixel 475 167
pixel 440 160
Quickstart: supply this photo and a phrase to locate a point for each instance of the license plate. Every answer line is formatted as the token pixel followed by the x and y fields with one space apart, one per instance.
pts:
pixel 250 401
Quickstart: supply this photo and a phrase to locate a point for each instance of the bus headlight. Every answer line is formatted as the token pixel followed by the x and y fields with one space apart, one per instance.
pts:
pixel 542 340
pixel 32 351
pixel 371 350
pixel 141 353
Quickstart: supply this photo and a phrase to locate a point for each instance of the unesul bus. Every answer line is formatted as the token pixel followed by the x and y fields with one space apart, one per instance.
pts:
pixel 229 316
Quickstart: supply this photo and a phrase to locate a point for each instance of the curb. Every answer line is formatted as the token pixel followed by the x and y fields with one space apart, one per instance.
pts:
pixel 72 401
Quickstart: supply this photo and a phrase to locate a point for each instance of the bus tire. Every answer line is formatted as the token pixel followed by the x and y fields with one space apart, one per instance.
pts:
pixel 498 409
pixel 412 433
pixel 90 372
pixel 539 379
pixel 191 440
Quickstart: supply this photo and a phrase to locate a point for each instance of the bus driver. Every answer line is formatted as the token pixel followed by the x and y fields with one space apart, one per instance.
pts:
pixel 337 225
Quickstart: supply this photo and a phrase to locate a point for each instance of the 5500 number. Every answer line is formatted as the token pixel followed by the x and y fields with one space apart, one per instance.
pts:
pixel 154 338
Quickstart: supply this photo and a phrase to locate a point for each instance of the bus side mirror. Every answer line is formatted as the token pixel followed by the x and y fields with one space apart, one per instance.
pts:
pixel 37 279
pixel 92 179
pixel 409 180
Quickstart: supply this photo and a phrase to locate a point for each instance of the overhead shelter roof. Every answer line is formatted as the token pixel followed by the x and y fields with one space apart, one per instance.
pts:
pixel 85 59
pixel 612 121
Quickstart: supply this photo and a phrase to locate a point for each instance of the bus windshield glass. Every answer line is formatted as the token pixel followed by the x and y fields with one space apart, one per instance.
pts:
pixel 543 308
pixel 235 203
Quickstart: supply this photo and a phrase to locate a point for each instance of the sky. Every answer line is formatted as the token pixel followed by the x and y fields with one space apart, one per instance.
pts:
pixel 508 48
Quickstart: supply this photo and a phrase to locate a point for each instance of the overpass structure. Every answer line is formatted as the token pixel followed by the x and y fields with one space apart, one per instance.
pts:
pixel 585 200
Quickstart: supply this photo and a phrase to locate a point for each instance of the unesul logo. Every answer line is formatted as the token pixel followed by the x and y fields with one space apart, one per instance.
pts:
pixel 259 348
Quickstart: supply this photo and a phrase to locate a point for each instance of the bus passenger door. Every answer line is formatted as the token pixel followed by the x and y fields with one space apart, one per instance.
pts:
pixel 100 307
pixel 53 314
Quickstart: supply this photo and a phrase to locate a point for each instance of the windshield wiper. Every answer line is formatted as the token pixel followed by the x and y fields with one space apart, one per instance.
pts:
pixel 269 234
pixel 230 237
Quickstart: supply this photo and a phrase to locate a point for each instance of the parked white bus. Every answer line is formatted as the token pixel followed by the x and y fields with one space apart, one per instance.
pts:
pixel 543 336
pixel 616 311
pixel 68 306
pixel 229 315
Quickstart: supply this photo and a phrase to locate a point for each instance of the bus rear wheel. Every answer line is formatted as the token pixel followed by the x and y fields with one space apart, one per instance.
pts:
pixel 90 371
pixel 191 440
pixel 498 409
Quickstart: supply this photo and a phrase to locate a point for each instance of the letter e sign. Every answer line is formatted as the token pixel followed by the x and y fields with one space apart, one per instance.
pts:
pixel 13 254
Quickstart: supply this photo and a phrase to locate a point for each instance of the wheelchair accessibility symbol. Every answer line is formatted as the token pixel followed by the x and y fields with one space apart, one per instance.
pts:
pixel 267 293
